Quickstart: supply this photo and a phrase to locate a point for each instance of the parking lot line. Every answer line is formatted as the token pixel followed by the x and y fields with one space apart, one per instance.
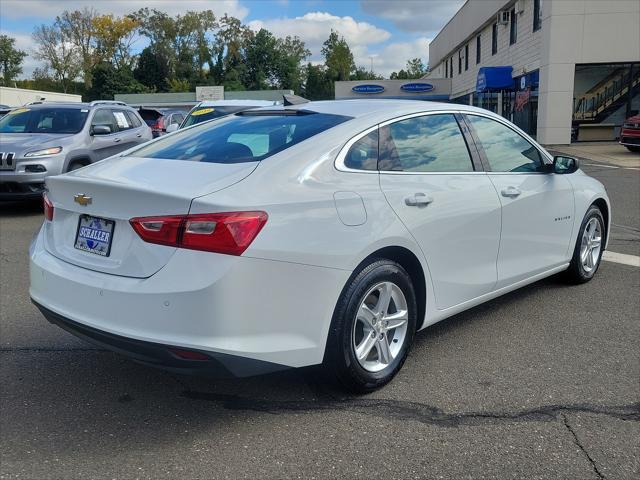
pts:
pixel 622 258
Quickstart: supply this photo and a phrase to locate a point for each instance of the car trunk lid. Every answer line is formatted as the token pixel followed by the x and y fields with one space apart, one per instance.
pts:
pixel 120 189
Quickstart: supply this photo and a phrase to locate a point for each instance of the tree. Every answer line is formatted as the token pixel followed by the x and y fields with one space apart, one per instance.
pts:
pixel 288 69
pixel 108 80
pixel 260 57
pixel 114 38
pixel 153 69
pixel 337 57
pixel 361 73
pixel 77 28
pixel 58 54
pixel 414 69
pixel 10 59
pixel 318 86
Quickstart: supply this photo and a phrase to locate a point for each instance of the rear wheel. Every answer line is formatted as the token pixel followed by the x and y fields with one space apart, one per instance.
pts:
pixel 589 247
pixel 633 148
pixel 373 327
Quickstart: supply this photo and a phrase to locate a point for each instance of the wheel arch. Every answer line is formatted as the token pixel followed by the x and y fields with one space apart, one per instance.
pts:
pixel 408 260
pixel 602 204
pixel 84 159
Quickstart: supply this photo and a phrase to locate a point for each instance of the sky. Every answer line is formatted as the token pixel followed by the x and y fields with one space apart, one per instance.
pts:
pixel 385 32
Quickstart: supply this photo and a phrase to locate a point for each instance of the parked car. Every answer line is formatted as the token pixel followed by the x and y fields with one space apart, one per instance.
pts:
pixel 215 109
pixel 160 119
pixel 630 133
pixel 44 138
pixel 320 233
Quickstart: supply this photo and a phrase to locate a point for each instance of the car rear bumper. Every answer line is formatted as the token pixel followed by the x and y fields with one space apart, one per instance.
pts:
pixel 20 190
pixel 164 356
pixel 270 311
pixel 630 136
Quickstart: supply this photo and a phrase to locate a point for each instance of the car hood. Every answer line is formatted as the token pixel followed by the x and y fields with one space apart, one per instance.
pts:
pixel 26 140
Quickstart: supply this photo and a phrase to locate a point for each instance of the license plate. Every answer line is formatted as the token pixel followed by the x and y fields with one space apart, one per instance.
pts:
pixel 94 235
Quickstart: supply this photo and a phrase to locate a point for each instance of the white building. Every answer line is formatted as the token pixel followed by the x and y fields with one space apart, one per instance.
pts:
pixel 571 66
pixel 14 97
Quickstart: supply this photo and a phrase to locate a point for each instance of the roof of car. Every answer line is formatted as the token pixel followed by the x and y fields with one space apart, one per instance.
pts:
pixel 365 107
pixel 237 103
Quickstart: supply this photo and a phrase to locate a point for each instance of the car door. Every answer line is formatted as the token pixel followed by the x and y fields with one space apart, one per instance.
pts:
pixel 104 146
pixel 127 135
pixel 140 129
pixel 537 206
pixel 449 205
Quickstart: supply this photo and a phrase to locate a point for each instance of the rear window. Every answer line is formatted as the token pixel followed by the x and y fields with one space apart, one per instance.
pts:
pixel 44 120
pixel 240 138
pixel 202 114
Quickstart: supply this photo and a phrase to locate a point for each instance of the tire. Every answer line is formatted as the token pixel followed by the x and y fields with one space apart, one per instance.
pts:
pixel 76 164
pixel 631 148
pixel 579 271
pixel 353 325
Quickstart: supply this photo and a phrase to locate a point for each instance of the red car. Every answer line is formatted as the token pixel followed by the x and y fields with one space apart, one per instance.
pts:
pixel 630 133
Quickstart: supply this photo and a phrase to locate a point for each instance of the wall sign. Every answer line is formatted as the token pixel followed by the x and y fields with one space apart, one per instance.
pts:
pixel 417 87
pixel 367 89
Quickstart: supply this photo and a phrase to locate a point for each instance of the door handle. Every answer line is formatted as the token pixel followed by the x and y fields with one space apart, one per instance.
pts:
pixel 418 200
pixel 138 135
pixel 117 140
pixel 511 192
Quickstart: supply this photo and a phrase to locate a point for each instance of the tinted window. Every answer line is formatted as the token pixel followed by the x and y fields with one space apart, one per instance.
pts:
pixel 363 154
pixel 513 30
pixel 537 15
pixel 505 149
pixel 44 120
pixel 202 114
pixel 104 117
pixel 432 143
pixel 239 138
pixel 177 118
pixel 494 39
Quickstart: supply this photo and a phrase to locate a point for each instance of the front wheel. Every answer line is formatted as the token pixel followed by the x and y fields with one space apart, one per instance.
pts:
pixel 633 148
pixel 589 247
pixel 373 327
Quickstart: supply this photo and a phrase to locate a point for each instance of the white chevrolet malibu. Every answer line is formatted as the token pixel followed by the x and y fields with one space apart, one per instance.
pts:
pixel 316 233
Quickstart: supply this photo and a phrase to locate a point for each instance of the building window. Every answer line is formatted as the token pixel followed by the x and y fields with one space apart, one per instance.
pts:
pixel 466 57
pixel 459 62
pixel 494 39
pixel 451 67
pixel 478 49
pixel 446 69
pixel 513 30
pixel 537 15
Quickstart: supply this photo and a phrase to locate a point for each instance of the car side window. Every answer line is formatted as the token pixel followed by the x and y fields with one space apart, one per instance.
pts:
pixel 105 118
pixel 505 149
pixel 122 120
pixel 363 154
pixel 430 143
pixel 133 119
pixel 177 118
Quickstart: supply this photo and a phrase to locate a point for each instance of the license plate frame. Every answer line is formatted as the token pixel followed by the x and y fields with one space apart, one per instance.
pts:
pixel 91 239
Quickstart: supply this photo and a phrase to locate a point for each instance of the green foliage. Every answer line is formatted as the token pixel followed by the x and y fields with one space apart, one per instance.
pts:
pixel 185 50
pixel 108 80
pixel 10 59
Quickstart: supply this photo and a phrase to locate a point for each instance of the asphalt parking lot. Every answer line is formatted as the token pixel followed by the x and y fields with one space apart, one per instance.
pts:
pixel 541 383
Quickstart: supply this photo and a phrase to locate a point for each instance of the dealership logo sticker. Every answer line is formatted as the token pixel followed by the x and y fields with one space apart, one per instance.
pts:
pixel 417 87
pixel 368 89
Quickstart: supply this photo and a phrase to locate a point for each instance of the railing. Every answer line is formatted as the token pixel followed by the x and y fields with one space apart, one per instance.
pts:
pixel 590 106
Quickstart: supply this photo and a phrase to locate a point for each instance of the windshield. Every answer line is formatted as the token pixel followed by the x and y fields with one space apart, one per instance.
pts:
pixel 44 120
pixel 240 138
pixel 202 114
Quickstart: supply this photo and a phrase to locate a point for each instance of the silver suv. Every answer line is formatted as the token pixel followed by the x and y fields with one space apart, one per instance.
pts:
pixel 42 139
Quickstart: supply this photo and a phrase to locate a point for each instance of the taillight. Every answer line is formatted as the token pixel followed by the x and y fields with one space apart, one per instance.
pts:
pixel 230 232
pixel 159 125
pixel 48 207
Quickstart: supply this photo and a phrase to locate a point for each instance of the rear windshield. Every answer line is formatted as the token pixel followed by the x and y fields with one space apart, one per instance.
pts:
pixel 44 120
pixel 202 114
pixel 239 138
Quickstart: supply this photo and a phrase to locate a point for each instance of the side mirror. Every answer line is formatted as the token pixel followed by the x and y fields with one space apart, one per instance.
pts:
pixel 101 130
pixel 172 128
pixel 563 165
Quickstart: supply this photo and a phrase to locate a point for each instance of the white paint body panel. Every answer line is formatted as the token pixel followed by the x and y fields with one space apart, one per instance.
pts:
pixel 275 302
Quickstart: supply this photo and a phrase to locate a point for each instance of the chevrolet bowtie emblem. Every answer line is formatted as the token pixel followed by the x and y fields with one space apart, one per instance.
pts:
pixel 82 199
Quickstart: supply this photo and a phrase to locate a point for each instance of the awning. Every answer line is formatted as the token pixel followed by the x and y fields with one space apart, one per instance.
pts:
pixel 494 78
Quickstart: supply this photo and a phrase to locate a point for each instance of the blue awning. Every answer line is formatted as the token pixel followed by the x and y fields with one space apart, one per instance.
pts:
pixel 494 78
